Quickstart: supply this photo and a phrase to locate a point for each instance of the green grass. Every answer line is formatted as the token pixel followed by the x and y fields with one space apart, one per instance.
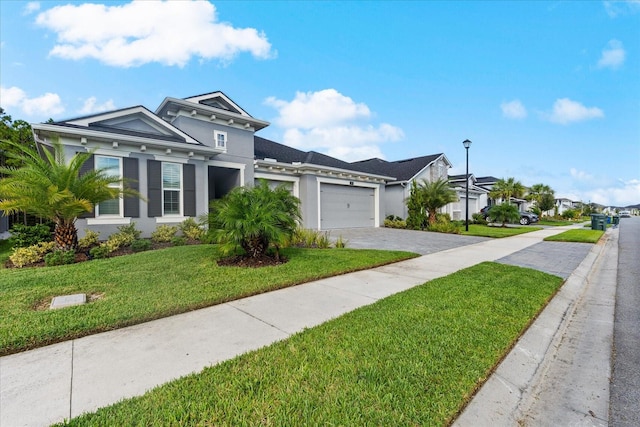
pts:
pixel 556 222
pixel 578 236
pixel 5 251
pixel 414 358
pixel 496 231
pixel 150 285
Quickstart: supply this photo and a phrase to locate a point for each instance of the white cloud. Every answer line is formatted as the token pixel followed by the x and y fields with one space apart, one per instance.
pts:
pixel 90 106
pixel 613 55
pixel 625 193
pixel 31 7
pixel 566 111
pixel 513 109
pixel 47 105
pixel 621 7
pixel 140 32
pixel 580 175
pixel 332 123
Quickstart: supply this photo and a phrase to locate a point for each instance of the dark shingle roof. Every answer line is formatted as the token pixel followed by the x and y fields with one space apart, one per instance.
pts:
pixel 264 148
pixel 403 170
pixel 486 180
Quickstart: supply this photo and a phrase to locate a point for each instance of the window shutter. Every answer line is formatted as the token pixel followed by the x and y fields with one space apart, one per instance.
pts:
pixel 89 165
pixel 154 188
pixel 131 176
pixel 189 187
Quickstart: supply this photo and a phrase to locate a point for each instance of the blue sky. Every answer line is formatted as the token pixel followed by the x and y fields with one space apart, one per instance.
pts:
pixel 548 92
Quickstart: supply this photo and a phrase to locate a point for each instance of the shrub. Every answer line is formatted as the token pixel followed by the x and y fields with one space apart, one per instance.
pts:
pixel 130 230
pixel 119 240
pixel 89 240
pixel 101 251
pixel 191 229
pixel 571 214
pixel 179 241
pixel 141 245
pixel 393 218
pixel 478 218
pixel 23 236
pixel 395 223
pixel 164 233
pixel 32 254
pixel 341 243
pixel 306 238
pixel 443 224
pixel 59 258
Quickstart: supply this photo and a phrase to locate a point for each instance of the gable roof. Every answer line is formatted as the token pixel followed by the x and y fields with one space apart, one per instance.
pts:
pixel 134 122
pixel 486 180
pixel 403 170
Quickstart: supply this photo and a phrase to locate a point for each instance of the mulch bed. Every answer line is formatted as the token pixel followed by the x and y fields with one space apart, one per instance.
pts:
pixel 247 261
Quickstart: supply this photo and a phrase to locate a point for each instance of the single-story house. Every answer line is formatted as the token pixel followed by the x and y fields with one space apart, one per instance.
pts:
pixel 478 197
pixel 190 151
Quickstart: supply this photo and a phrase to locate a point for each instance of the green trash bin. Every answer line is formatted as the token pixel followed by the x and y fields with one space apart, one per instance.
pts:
pixel 598 222
pixel 616 220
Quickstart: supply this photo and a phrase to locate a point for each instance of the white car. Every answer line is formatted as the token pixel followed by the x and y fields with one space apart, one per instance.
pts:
pixel 625 214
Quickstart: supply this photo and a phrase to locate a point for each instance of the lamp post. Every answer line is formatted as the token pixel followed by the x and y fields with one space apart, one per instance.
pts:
pixel 467 144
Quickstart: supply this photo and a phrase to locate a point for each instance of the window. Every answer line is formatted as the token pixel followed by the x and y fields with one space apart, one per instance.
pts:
pixel 171 188
pixel 112 167
pixel 220 139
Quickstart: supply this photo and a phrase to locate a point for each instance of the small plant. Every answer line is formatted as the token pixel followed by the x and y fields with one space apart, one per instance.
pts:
pixel 323 241
pixel 59 258
pixel 305 238
pixel 140 245
pixel 340 242
pixel 89 240
pixel 179 241
pixel 23 236
pixel 164 233
pixel 99 252
pixel 32 254
pixel 443 224
pixel 395 223
pixel 130 230
pixel 191 229
pixel 119 240
pixel 479 218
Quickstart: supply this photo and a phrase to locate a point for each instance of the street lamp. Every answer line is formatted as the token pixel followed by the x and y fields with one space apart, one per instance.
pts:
pixel 467 144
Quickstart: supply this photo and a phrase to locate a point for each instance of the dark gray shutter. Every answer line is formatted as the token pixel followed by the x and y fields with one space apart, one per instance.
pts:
pixel 130 172
pixel 89 165
pixel 189 188
pixel 154 188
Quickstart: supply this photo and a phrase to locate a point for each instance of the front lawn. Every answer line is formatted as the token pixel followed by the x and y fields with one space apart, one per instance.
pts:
pixel 556 222
pixel 415 358
pixel 496 231
pixel 578 236
pixel 149 285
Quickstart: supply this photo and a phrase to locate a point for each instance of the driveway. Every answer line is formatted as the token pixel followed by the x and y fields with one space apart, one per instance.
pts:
pixel 421 242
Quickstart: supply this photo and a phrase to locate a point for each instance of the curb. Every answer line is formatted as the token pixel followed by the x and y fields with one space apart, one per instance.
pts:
pixel 503 399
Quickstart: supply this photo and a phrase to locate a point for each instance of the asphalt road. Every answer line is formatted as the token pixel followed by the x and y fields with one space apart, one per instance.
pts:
pixel 624 406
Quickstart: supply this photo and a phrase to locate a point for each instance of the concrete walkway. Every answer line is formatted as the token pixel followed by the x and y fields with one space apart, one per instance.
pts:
pixel 54 383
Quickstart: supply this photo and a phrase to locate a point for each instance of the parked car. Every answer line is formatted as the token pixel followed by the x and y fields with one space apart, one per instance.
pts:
pixel 526 218
pixel 625 214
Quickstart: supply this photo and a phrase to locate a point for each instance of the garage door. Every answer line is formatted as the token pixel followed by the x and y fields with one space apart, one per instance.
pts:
pixel 344 206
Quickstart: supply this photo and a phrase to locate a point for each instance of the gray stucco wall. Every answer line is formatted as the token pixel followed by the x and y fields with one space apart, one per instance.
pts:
pixel 309 201
pixel 239 141
pixel 394 201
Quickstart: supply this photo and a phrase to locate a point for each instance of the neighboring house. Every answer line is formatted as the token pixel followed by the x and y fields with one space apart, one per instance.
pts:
pixel 563 204
pixel 487 183
pixel 406 171
pixel 332 193
pixel 478 197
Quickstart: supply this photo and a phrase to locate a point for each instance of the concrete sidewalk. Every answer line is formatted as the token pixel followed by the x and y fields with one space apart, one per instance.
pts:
pixel 61 381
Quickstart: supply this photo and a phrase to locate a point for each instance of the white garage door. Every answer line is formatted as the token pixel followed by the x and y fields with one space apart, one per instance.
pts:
pixel 344 206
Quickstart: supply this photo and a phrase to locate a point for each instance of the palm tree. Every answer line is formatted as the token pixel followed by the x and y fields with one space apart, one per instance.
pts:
pixel 434 195
pixel 505 189
pixel 49 187
pixel 504 212
pixel 537 191
pixel 254 218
